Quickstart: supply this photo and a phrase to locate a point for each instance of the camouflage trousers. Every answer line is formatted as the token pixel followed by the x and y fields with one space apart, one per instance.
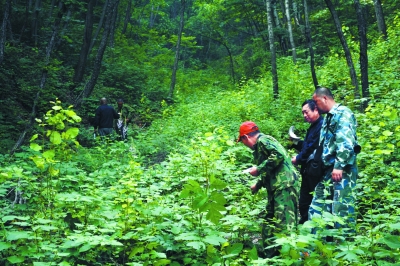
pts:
pixel 282 212
pixel 337 198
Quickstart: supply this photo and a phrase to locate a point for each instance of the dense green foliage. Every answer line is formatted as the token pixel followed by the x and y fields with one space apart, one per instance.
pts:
pixel 175 194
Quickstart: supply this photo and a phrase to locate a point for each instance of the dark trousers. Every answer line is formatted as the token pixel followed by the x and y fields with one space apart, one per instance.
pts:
pixel 308 185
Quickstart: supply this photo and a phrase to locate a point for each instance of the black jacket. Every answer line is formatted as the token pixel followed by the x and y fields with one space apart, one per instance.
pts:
pixel 309 144
pixel 105 116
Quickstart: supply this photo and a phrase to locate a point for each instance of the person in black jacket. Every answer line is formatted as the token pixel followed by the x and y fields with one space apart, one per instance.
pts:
pixel 306 148
pixel 104 118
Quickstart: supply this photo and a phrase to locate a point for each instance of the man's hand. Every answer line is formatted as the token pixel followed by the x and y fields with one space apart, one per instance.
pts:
pixel 337 175
pixel 294 161
pixel 254 189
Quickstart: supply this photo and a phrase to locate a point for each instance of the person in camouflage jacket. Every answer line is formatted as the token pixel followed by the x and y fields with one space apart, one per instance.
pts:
pixel 340 147
pixel 278 176
pixel 126 113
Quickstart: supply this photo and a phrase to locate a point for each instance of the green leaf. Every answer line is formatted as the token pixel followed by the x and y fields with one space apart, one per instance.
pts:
pixel 85 247
pixel 41 263
pixel 197 245
pixel 55 137
pixel 391 241
pixel 35 146
pixel 387 133
pixel 56 107
pixel 375 128
pixel 15 235
pixel 35 136
pixel 253 254
pixel 49 154
pixel 214 216
pixel 233 250
pixel 71 133
pixel 4 245
pixel 39 161
pixel 15 259
pixel 162 262
pixel 214 240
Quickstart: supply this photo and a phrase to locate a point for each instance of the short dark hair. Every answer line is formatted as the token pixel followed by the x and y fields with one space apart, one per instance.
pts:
pixel 323 91
pixel 120 100
pixel 311 104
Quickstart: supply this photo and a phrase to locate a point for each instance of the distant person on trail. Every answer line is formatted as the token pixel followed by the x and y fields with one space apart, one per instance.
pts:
pixel 340 148
pixel 125 117
pixel 103 119
pixel 277 175
pixel 306 148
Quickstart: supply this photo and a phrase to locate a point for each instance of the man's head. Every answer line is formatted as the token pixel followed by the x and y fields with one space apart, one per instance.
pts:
pixel 103 101
pixel 310 111
pixel 248 133
pixel 323 97
pixel 120 102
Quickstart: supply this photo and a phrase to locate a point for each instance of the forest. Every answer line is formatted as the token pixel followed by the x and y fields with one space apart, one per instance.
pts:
pixel 174 193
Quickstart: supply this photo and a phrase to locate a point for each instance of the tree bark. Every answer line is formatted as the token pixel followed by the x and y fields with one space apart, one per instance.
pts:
pixel 127 16
pixel 290 30
pixel 345 47
pixel 272 50
pixel 87 38
pixel 380 18
pixel 112 8
pixel 307 32
pixel 3 36
pixel 35 21
pixel 103 14
pixel 362 32
pixel 49 50
pixel 178 44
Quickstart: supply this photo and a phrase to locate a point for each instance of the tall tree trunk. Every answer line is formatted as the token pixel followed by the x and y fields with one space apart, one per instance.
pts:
pixel 103 14
pixel 178 44
pixel 112 28
pixel 35 21
pixel 87 38
pixel 345 47
pixel 3 36
pixel 272 50
pixel 307 32
pixel 380 18
pixel 112 8
pixel 127 16
pixel 289 25
pixel 362 32
pixel 49 50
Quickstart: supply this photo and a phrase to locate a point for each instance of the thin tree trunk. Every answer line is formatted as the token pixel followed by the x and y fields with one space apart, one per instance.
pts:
pixel 112 8
pixel 272 50
pixel 178 44
pixel 112 27
pixel 380 18
pixel 3 36
pixel 290 30
pixel 103 14
pixel 35 21
pixel 362 32
pixel 127 16
pixel 346 49
pixel 87 38
pixel 310 44
pixel 49 50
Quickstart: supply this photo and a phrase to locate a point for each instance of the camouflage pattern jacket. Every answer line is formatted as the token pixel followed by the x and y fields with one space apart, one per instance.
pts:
pixel 126 113
pixel 273 164
pixel 340 138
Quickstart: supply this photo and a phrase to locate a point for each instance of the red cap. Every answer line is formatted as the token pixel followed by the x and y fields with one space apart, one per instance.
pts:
pixel 246 128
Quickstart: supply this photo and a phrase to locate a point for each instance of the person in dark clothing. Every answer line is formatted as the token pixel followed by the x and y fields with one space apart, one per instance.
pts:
pixel 306 148
pixel 104 118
